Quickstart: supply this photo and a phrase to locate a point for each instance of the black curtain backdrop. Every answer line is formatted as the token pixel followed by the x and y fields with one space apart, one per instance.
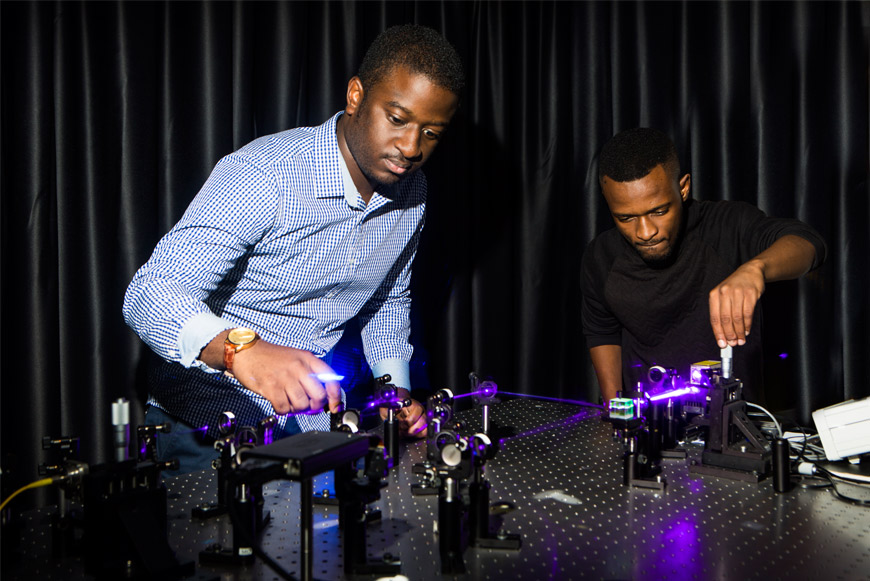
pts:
pixel 114 113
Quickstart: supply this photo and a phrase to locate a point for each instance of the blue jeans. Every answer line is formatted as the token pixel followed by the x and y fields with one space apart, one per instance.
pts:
pixel 191 446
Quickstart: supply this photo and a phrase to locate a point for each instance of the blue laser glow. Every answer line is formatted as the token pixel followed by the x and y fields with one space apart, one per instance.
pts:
pixel 488 390
pixel 325 377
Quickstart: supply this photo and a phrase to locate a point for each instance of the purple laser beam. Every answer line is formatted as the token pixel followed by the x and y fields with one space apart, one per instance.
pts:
pixel 546 427
pixel 556 399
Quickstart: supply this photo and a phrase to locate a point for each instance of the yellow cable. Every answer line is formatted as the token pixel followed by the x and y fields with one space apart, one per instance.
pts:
pixel 37 484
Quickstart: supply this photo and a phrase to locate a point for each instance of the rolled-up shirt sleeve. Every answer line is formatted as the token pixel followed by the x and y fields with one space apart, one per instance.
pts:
pixel 165 302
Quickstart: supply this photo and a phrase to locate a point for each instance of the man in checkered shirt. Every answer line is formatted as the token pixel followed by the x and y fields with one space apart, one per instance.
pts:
pixel 291 237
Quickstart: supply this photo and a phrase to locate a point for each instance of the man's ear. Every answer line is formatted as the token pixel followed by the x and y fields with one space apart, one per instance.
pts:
pixel 354 95
pixel 685 186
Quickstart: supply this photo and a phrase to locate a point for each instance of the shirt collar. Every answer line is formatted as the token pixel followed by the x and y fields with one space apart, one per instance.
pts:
pixel 350 192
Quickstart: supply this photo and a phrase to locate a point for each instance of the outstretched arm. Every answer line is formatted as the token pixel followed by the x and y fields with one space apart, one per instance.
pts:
pixel 733 301
pixel 607 361
pixel 385 329
pixel 283 375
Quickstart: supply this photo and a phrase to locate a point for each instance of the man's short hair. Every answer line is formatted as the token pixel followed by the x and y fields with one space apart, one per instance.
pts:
pixel 420 49
pixel 632 154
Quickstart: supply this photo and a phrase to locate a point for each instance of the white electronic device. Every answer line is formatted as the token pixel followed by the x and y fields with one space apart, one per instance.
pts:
pixel 844 428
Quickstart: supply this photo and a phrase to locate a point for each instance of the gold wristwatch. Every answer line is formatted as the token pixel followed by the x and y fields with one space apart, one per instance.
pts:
pixel 239 339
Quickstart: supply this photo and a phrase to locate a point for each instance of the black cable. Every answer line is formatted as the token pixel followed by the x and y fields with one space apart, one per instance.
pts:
pixel 803 445
pixel 800 455
pixel 832 478
pixel 822 482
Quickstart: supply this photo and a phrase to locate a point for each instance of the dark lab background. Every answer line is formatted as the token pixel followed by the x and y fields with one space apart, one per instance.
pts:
pixel 114 113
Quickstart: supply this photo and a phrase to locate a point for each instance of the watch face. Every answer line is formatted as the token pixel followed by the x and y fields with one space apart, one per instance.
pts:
pixel 242 336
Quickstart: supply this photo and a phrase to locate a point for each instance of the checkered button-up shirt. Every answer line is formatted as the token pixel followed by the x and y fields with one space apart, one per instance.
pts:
pixel 280 241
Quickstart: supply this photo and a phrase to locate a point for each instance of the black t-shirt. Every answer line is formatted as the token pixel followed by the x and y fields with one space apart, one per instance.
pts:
pixel 661 316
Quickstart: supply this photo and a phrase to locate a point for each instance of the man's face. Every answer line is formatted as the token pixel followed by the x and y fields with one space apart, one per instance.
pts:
pixel 648 212
pixel 392 131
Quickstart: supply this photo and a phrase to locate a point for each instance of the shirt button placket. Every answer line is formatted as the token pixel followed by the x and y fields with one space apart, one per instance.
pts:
pixel 356 250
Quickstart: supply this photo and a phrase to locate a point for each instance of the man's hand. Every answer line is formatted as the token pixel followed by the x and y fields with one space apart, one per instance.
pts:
pixel 733 301
pixel 412 419
pixel 732 304
pixel 283 375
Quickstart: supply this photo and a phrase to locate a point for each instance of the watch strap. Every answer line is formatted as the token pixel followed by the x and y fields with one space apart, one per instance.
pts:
pixel 229 357
pixel 230 350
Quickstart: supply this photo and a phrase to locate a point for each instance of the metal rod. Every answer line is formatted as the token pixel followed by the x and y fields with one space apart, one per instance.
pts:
pixel 306 491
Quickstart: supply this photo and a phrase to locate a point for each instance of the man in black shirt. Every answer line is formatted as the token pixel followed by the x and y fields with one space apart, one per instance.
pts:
pixel 677 279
